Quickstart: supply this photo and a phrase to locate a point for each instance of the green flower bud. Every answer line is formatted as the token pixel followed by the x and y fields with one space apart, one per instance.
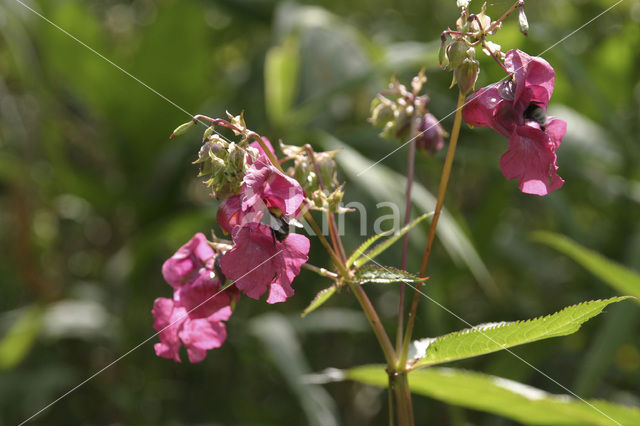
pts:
pixel 522 21
pixel 182 129
pixel 381 114
pixel 457 52
pixel 466 74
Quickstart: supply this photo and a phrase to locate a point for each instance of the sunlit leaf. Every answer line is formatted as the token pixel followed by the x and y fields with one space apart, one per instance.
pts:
pixel 487 338
pixel 320 298
pixel 375 251
pixel 617 276
pixel 497 395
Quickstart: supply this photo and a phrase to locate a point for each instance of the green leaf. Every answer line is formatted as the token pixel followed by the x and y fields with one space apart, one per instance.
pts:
pixel 497 395
pixel 384 275
pixel 617 276
pixel 364 246
pixel 281 77
pixel 371 254
pixel 487 338
pixel 15 345
pixel 320 298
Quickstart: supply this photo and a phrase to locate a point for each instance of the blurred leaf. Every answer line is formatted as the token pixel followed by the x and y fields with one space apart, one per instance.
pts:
pixel 320 298
pixel 384 275
pixel 492 337
pixel 15 345
pixel 501 396
pixel 617 276
pixel 280 79
pixel 371 254
pixel 383 183
pixel 280 340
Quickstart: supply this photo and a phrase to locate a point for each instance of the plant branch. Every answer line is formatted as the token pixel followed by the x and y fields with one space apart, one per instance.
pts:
pixel 444 181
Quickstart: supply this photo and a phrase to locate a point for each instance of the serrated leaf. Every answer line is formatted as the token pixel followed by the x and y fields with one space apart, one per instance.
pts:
pixel 320 298
pixel 384 275
pixel 375 251
pixel 487 338
pixel 364 246
pixel 497 395
pixel 617 276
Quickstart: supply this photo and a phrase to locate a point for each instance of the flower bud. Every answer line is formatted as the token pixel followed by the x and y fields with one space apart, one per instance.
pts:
pixel 457 52
pixel 466 74
pixel 430 136
pixel 182 129
pixel 522 21
pixel 381 114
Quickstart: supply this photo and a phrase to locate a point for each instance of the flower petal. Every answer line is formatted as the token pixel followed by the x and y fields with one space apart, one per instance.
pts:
pixel 532 160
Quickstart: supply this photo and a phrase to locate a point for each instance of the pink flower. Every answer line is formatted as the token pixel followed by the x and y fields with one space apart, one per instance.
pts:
pixel 266 186
pixel 189 262
pixel 263 155
pixel 259 261
pixel 505 107
pixel 198 330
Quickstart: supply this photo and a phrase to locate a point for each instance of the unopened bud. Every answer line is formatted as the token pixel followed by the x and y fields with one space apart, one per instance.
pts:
pixel 466 75
pixel 380 114
pixel 457 52
pixel 236 158
pixel 522 21
pixel 182 129
pixel 430 136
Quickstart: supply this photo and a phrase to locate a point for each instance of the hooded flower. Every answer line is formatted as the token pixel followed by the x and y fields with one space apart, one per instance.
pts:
pixel 259 261
pixel 266 186
pixel 193 259
pixel 504 106
pixel 194 316
pixel 261 153
pixel 198 330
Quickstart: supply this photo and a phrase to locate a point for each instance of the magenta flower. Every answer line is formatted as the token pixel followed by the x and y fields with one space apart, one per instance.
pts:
pixel 507 108
pixel 259 261
pixel 198 330
pixel 193 259
pixel 263 155
pixel 266 186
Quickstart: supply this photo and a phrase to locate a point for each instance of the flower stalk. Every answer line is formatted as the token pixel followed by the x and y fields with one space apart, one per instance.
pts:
pixel 444 181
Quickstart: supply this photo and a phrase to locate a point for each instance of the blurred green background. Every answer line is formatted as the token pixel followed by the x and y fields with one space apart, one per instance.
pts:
pixel 94 197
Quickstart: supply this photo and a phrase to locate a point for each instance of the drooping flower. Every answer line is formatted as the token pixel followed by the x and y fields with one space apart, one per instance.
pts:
pixel 258 261
pixel 262 155
pixel 505 107
pixel 194 316
pixel 430 136
pixel 264 185
pixel 193 259
pixel 199 330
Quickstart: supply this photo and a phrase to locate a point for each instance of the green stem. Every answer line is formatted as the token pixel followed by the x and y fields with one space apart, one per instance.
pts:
pixel 442 190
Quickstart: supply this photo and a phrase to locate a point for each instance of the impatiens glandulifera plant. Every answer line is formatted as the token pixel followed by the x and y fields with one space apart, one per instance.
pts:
pixel 264 198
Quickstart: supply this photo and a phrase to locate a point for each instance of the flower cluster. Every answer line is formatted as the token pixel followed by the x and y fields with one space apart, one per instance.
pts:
pixel 194 316
pixel 403 115
pixel 516 108
pixel 262 256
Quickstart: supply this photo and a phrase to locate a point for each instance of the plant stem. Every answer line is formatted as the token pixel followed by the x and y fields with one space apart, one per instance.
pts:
pixel 405 240
pixel 507 13
pixel 376 324
pixel 321 271
pixel 444 181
